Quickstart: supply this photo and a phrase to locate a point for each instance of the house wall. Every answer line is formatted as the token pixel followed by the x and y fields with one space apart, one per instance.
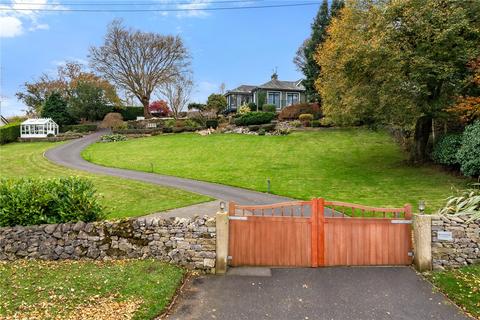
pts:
pixel 283 96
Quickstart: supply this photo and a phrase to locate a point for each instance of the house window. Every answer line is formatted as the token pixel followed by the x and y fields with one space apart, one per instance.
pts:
pixel 292 98
pixel 274 98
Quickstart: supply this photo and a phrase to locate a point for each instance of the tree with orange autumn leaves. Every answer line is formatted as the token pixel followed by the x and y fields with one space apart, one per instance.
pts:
pixel 467 107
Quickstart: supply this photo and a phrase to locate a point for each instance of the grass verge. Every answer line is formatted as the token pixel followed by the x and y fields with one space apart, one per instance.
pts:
pixel 121 197
pixel 122 289
pixel 462 286
pixel 353 165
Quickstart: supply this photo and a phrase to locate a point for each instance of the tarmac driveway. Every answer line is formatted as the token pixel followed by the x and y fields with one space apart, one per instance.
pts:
pixel 322 293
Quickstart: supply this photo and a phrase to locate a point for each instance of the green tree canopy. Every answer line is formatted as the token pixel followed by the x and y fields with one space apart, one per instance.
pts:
pixel 216 102
pixel 55 107
pixel 88 102
pixel 397 62
pixel 305 57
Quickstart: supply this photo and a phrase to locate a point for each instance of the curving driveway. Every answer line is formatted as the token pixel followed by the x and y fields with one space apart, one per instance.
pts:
pixel 68 155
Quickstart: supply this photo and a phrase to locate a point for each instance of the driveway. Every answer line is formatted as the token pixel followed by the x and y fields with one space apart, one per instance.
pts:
pixel 343 293
pixel 68 155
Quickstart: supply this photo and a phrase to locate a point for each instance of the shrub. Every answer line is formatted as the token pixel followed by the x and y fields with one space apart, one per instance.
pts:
pixel 254 118
pixel 170 123
pixel 306 119
pixel 159 108
pixel 244 109
pixel 269 108
pixel 9 133
pixel 79 127
pixel 130 113
pixel 468 155
pixel 467 202
pixel 113 138
pixel 252 106
pixel 216 102
pixel 445 150
pixel 261 132
pixel 28 201
pixel 296 123
pixel 211 123
pixel 191 123
pixel 112 120
pixel 315 123
pixel 326 122
pixel 294 111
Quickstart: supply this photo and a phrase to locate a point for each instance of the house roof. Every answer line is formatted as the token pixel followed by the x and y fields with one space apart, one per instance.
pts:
pixel 38 121
pixel 245 88
pixel 283 85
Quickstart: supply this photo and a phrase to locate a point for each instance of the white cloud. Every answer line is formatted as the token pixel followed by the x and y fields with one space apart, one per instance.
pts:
pixel 23 15
pixel 194 9
pixel 10 27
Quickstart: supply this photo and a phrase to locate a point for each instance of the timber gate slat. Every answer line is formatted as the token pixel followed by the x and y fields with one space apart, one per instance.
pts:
pixel 280 235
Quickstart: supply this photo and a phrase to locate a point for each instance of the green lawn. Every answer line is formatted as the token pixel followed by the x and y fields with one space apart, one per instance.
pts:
pixel 462 286
pixel 121 197
pixel 352 165
pixel 127 289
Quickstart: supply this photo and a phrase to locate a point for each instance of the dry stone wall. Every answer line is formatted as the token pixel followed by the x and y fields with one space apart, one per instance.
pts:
pixel 187 242
pixel 462 249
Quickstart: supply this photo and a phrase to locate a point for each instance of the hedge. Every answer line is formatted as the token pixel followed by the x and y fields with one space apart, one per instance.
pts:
pixel 255 118
pixel 445 150
pixel 29 201
pixel 269 108
pixel 78 127
pixel 9 133
pixel 294 111
pixel 130 113
pixel 468 156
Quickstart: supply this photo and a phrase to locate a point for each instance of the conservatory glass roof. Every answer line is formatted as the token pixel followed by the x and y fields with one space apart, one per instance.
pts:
pixel 37 121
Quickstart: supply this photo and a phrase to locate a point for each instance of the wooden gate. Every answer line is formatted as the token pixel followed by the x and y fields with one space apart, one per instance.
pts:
pixel 319 233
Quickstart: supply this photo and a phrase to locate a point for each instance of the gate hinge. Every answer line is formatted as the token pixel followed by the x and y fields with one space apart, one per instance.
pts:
pixel 410 253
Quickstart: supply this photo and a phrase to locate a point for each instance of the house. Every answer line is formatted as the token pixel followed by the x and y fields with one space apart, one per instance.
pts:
pixel 38 128
pixel 3 121
pixel 277 92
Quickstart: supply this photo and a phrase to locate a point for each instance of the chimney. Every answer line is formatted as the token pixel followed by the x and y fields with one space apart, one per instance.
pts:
pixel 275 76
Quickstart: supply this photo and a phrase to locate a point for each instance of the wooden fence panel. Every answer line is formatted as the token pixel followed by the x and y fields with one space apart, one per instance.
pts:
pixel 366 241
pixel 270 241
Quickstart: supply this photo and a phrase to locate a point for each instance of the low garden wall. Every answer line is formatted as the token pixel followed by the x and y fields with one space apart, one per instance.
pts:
pixel 464 246
pixel 187 242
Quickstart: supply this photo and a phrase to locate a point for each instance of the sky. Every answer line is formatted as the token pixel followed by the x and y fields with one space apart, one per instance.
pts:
pixel 234 47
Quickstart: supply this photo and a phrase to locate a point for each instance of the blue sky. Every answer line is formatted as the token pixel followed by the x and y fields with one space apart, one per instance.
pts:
pixel 234 47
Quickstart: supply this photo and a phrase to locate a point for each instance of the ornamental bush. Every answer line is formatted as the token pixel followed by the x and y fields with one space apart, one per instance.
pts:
pixel 306 119
pixel 113 137
pixel 255 118
pixel 211 123
pixel 269 108
pixel 445 150
pixel 29 201
pixel 294 111
pixel 468 156
pixel 9 133
pixel 244 109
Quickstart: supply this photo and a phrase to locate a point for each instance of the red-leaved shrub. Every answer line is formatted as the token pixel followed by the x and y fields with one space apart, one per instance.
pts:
pixel 159 108
pixel 294 111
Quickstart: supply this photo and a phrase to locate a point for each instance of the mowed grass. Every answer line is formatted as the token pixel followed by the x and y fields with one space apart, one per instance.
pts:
pixel 125 289
pixel 353 165
pixel 462 286
pixel 121 197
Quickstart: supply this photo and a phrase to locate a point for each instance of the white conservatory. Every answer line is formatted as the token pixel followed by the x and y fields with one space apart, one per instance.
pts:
pixel 38 128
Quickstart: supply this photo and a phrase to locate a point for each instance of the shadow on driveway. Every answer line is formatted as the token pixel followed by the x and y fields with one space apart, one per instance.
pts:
pixel 323 293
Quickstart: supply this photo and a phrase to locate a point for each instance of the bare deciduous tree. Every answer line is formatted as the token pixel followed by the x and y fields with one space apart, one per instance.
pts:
pixel 177 93
pixel 139 62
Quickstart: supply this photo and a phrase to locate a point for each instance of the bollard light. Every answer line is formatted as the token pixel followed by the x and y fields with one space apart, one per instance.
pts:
pixel 222 206
pixel 421 206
